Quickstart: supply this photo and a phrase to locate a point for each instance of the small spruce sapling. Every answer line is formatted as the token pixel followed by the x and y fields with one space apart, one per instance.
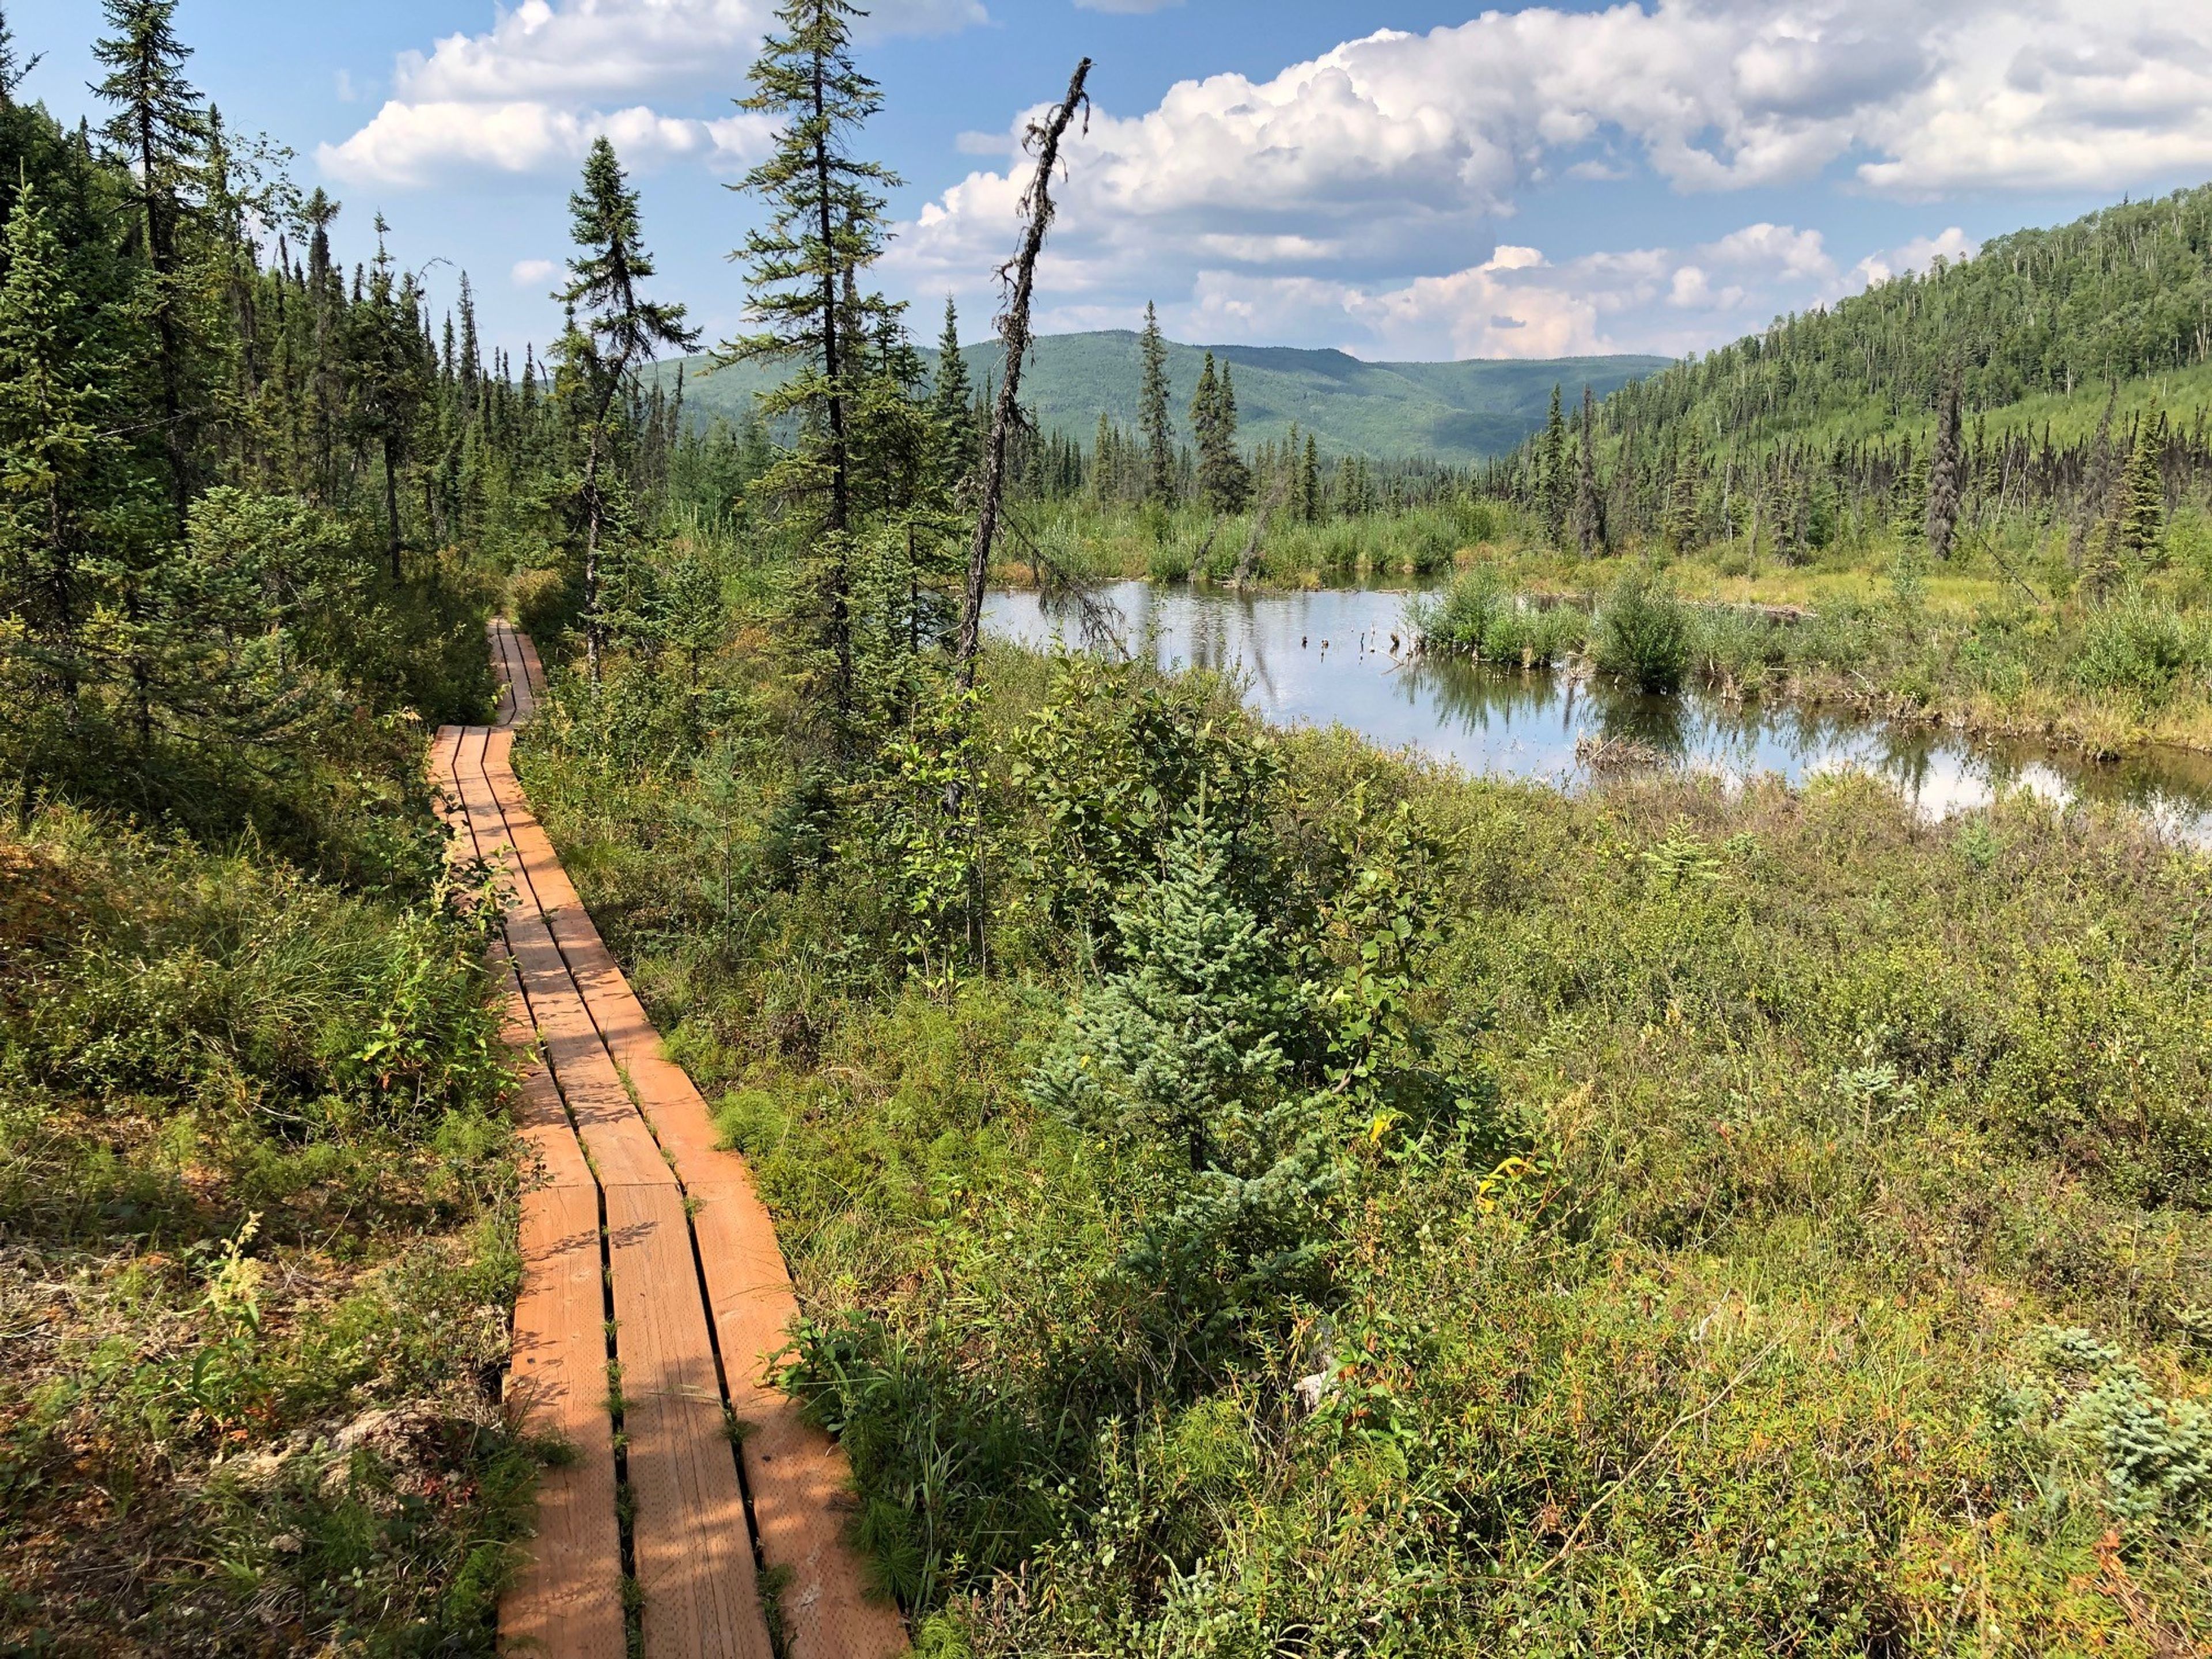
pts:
pixel 1180 1061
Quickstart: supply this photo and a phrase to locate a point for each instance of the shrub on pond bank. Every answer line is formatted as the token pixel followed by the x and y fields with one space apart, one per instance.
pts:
pixel 1643 634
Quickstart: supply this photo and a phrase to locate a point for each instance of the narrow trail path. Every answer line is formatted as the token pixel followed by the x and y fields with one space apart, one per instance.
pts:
pixel 653 1293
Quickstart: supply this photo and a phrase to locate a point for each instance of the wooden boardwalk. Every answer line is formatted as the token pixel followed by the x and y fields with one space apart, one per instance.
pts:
pixel 654 1291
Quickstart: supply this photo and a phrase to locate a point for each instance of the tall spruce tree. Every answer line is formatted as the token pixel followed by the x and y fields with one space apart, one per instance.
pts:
pixel 1554 487
pixel 1223 480
pixel 1945 481
pixel 825 226
pixel 386 352
pixel 1310 482
pixel 1587 519
pixel 1152 418
pixel 952 399
pixel 159 133
pixel 621 330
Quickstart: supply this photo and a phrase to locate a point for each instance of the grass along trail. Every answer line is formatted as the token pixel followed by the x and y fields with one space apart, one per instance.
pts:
pixel 655 1379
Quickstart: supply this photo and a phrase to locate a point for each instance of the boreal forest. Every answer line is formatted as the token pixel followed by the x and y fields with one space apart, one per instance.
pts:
pixel 1239 1187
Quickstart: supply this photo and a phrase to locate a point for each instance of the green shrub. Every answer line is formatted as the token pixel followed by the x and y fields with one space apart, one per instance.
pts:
pixel 2137 646
pixel 1741 646
pixel 1643 634
pixel 1482 617
pixel 543 603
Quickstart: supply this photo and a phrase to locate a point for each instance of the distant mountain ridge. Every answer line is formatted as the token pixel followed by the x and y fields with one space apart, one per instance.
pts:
pixel 1455 412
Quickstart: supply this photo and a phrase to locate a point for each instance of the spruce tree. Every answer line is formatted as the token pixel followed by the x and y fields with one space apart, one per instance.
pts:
pixel 1588 517
pixel 159 133
pixel 621 331
pixel 1678 525
pixel 1944 479
pixel 2134 533
pixel 59 453
pixel 1181 1060
pixel 1553 489
pixel 825 226
pixel 952 397
pixel 390 384
pixel 1104 485
pixel 1223 482
pixel 1152 418
pixel 1310 482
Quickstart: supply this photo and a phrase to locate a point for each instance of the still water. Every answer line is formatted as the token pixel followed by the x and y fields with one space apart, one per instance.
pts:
pixel 1326 658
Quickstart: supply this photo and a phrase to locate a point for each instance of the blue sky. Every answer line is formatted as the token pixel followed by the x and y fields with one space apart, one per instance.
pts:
pixel 1399 178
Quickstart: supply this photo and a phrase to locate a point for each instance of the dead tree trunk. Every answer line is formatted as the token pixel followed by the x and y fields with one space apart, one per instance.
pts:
pixel 1020 278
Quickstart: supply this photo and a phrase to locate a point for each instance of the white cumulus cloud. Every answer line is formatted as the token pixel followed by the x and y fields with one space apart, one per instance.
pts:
pixel 1391 160
pixel 535 88
pixel 1517 303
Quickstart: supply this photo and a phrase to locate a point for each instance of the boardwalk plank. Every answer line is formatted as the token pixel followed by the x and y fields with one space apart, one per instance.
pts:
pixel 692 1547
pixel 701 1293
pixel 800 1480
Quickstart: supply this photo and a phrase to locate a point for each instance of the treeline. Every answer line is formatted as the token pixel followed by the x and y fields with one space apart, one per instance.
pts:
pixel 1768 440
pixel 257 501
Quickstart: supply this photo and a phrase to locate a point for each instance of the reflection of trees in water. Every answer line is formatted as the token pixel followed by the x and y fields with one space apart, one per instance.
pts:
pixel 1479 699
pixel 1625 714
pixel 1247 638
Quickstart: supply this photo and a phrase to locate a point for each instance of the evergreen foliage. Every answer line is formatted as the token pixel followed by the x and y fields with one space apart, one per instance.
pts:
pixel 1945 467
pixel 621 330
pixel 802 275
pixel 1225 483
pixel 1182 1058
pixel 952 401
pixel 1554 486
pixel 1152 418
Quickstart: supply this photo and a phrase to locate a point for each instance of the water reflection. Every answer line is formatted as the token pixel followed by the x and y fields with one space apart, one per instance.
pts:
pixel 1344 656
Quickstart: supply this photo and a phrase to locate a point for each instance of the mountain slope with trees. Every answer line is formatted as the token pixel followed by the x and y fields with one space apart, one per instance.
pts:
pixel 1453 412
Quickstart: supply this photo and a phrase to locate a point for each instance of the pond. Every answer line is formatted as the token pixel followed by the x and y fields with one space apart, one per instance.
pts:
pixel 1344 656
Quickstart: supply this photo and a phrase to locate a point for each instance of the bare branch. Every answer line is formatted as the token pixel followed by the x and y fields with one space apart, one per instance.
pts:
pixel 1020 276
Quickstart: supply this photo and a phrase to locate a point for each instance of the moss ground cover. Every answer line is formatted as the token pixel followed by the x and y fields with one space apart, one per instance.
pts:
pixel 1655 1221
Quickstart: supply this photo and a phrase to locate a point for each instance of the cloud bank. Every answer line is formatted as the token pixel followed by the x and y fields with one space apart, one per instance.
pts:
pixel 1365 196
pixel 533 92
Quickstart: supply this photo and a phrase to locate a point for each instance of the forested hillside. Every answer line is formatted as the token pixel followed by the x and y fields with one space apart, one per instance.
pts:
pixel 1449 412
pixel 2038 367
pixel 2123 293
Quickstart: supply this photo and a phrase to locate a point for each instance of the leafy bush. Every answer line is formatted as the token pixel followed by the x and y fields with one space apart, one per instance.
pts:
pixel 2137 646
pixel 1479 615
pixel 1107 765
pixel 1738 645
pixel 1643 634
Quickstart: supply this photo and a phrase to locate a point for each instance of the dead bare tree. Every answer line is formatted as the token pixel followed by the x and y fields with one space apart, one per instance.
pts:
pixel 1020 277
